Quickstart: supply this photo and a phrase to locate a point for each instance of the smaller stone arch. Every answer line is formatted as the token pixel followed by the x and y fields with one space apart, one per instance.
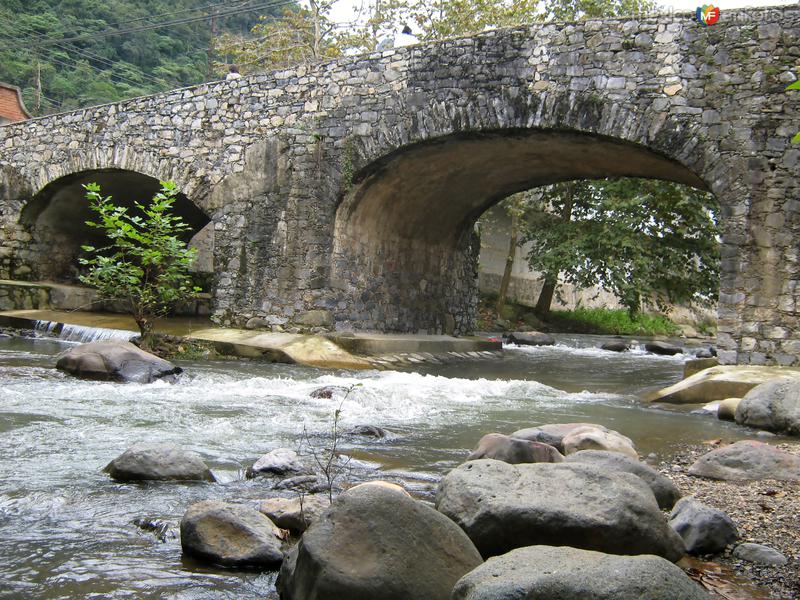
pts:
pixel 53 222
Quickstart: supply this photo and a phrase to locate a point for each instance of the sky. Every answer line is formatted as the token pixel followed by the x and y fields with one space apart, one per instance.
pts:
pixel 344 10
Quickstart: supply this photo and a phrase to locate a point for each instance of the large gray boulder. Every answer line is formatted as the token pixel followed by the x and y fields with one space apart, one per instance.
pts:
pixel 704 529
pixel 748 460
pixel 563 573
pixel 774 406
pixel 595 438
pixel 158 462
pixel 230 535
pixel 115 361
pixel 513 450
pixel 663 489
pixel 376 542
pixel 531 338
pixel 503 506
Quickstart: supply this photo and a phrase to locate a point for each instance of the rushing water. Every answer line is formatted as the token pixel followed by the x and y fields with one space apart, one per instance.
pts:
pixel 67 530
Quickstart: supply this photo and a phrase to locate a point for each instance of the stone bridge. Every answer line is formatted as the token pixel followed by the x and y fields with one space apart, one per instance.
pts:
pixel 344 194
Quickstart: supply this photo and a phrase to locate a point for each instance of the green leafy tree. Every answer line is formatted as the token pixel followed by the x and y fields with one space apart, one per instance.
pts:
pixel 638 239
pixel 146 264
pixel 795 86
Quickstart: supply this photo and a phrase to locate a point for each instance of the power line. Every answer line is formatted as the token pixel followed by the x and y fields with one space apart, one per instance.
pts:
pixel 154 26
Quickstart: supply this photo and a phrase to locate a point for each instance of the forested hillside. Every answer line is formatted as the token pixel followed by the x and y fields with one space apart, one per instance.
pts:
pixel 86 52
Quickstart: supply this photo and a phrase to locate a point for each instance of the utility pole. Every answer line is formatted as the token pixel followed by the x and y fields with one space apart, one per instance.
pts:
pixel 210 53
pixel 38 84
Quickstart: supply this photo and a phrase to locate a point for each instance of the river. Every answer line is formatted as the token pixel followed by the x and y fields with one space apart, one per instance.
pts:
pixel 67 530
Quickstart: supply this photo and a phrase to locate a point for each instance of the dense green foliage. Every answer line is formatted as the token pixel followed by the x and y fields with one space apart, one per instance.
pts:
pixel 638 239
pixel 146 265
pixel 610 322
pixel 99 68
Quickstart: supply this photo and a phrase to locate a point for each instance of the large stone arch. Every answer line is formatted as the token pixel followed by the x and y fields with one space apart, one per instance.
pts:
pixel 403 234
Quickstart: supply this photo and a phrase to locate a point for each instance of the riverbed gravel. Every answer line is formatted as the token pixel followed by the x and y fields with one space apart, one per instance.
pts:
pixel 766 512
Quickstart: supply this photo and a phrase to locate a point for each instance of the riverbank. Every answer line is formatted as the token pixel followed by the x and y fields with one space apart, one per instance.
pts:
pixel 765 512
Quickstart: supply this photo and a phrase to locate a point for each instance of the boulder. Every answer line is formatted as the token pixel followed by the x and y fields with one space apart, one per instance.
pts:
pixel 158 462
pixel 552 434
pixel 726 409
pixel 280 462
pixel 662 348
pixel 368 431
pixel 748 460
pixel 774 406
pixel 512 450
pixel 593 438
pixel 115 361
pixel 704 529
pixel 329 391
pixel 503 506
pixel 549 572
pixel 616 346
pixel 663 489
pixel 718 383
pixel 230 535
pixel 706 353
pixel 531 338
pixel 295 514
pixel 757 553
pixel 375 542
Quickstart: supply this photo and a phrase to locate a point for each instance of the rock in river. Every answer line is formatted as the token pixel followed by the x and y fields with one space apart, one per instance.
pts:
pixel 513 450
pixel 281 462
pixel 548 572
pixel 503 506
pixel 663 348
pixel 295 514
pixel 553 433
pixel 774 406
pixel 375 542
pixel 531 338
pixel 663 489
pixel 230 535
pixel 158 462
pixel 748 460
pixel 595 438
pixel 704 529
pixel 115 361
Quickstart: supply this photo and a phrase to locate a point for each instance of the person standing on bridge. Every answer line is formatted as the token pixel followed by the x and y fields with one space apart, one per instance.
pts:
pixel 233 73
pixel 406 38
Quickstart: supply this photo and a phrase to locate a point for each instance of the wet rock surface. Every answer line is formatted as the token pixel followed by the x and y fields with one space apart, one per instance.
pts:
pixel 230 535
pixel 116 361
pixel 531 338
pixel 158 462
pixel 549 572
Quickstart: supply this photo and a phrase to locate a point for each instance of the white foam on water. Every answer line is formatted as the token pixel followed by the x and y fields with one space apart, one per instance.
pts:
pixel 82 334
pixel 593 352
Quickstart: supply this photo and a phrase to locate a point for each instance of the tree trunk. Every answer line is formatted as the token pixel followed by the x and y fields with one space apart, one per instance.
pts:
pixel 551 279
pixel 546 296
pixel 512 251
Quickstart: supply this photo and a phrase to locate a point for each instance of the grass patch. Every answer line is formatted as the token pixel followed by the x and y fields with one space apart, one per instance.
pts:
pixel 610 321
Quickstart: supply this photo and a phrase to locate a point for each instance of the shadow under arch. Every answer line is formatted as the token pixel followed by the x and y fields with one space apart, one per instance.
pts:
pixel 404 234
pixel 55 218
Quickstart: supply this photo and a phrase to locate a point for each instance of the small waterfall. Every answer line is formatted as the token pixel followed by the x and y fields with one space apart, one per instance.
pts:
pixel 80 333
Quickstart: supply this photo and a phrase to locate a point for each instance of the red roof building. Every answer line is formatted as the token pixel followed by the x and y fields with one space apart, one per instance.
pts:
pixel 11 106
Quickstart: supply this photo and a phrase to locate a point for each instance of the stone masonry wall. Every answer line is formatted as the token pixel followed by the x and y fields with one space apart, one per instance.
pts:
pixel 278 161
